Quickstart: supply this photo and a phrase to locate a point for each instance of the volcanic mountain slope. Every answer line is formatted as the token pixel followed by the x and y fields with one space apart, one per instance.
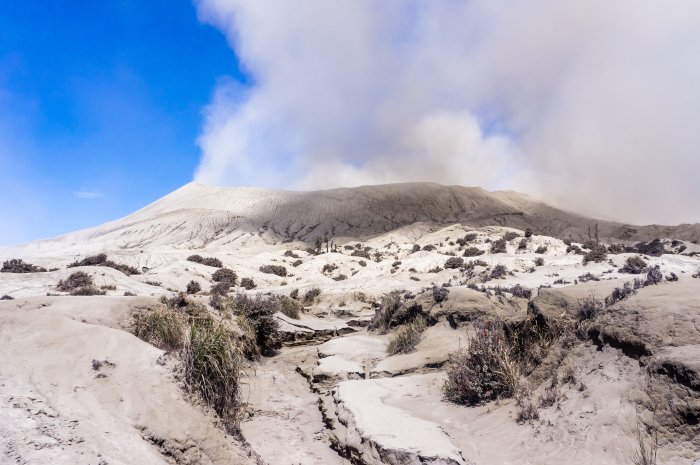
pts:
pixel 78 386
pixel 196 215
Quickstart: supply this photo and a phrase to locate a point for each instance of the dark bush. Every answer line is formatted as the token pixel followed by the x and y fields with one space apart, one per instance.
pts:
pixel 673 277
pixel 16 265
pixel 589 308
pixel 220 289
pixel 440 294
pixel 498 246
pixel 469 237
pixel 101 260
pixel 484 371
pixel 208 261
pixel 541 249
pixel 361 253
pixel 598 253
pixel 248 283
pixel 588 277
pixel 92 260
pixel 454 263
pixel 291 254
pixel 126 269
pixel 340 277
pixel 225 275
pixel 193 287
pixel 311 295
pixel 472 252
pixel 429 247
pixel 278 270
pixel 416 248
pixel 634 265
pixel 539 261
pixel 510 235
pixel 74 281
pixel 87 291
pixel 528 233
pixel 654 276
pixel 653 248
pixel 389 304
pixel 257 317
pixel 499 272
pixel 575 249
pixel 520 291
pixel 620 293
pixel 297 263
pixel 522 245
pixel 362 263
pixel 329 268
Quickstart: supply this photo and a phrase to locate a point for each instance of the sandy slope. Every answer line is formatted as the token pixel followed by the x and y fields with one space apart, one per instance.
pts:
pixel 55 408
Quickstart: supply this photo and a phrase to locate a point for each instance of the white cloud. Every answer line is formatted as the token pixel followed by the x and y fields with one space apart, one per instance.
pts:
pixel 88 195
pixel 588 104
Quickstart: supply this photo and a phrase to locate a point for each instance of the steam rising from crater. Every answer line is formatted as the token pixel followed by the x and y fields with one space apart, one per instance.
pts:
pixel 589 104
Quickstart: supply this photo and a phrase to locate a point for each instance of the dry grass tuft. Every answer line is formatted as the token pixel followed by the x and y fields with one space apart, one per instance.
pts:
pixel 406 339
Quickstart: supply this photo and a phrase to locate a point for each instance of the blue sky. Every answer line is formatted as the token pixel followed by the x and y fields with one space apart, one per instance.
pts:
pixel 100 108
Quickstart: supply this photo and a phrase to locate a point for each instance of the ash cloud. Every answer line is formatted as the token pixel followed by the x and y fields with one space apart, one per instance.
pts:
pixel 589 105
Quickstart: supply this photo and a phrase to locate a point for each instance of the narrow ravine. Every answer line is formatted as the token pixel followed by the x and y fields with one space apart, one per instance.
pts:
pixel 286 426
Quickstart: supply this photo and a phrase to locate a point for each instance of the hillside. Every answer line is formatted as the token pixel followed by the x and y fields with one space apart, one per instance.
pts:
pixel 195 216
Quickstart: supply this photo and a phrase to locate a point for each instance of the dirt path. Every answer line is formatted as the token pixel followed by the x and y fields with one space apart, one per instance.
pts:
pixel 286 425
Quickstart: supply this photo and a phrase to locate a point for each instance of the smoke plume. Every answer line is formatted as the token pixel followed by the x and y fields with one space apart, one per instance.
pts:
pixel 587 104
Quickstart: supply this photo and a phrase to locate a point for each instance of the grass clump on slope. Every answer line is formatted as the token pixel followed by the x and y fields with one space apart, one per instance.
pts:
pixel 212 354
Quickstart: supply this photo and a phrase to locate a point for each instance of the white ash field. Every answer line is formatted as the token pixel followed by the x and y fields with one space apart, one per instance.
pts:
pixel 397 324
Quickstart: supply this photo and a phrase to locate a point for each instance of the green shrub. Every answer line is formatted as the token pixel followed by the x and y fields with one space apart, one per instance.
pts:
pixel 407 337
pixel 539 261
